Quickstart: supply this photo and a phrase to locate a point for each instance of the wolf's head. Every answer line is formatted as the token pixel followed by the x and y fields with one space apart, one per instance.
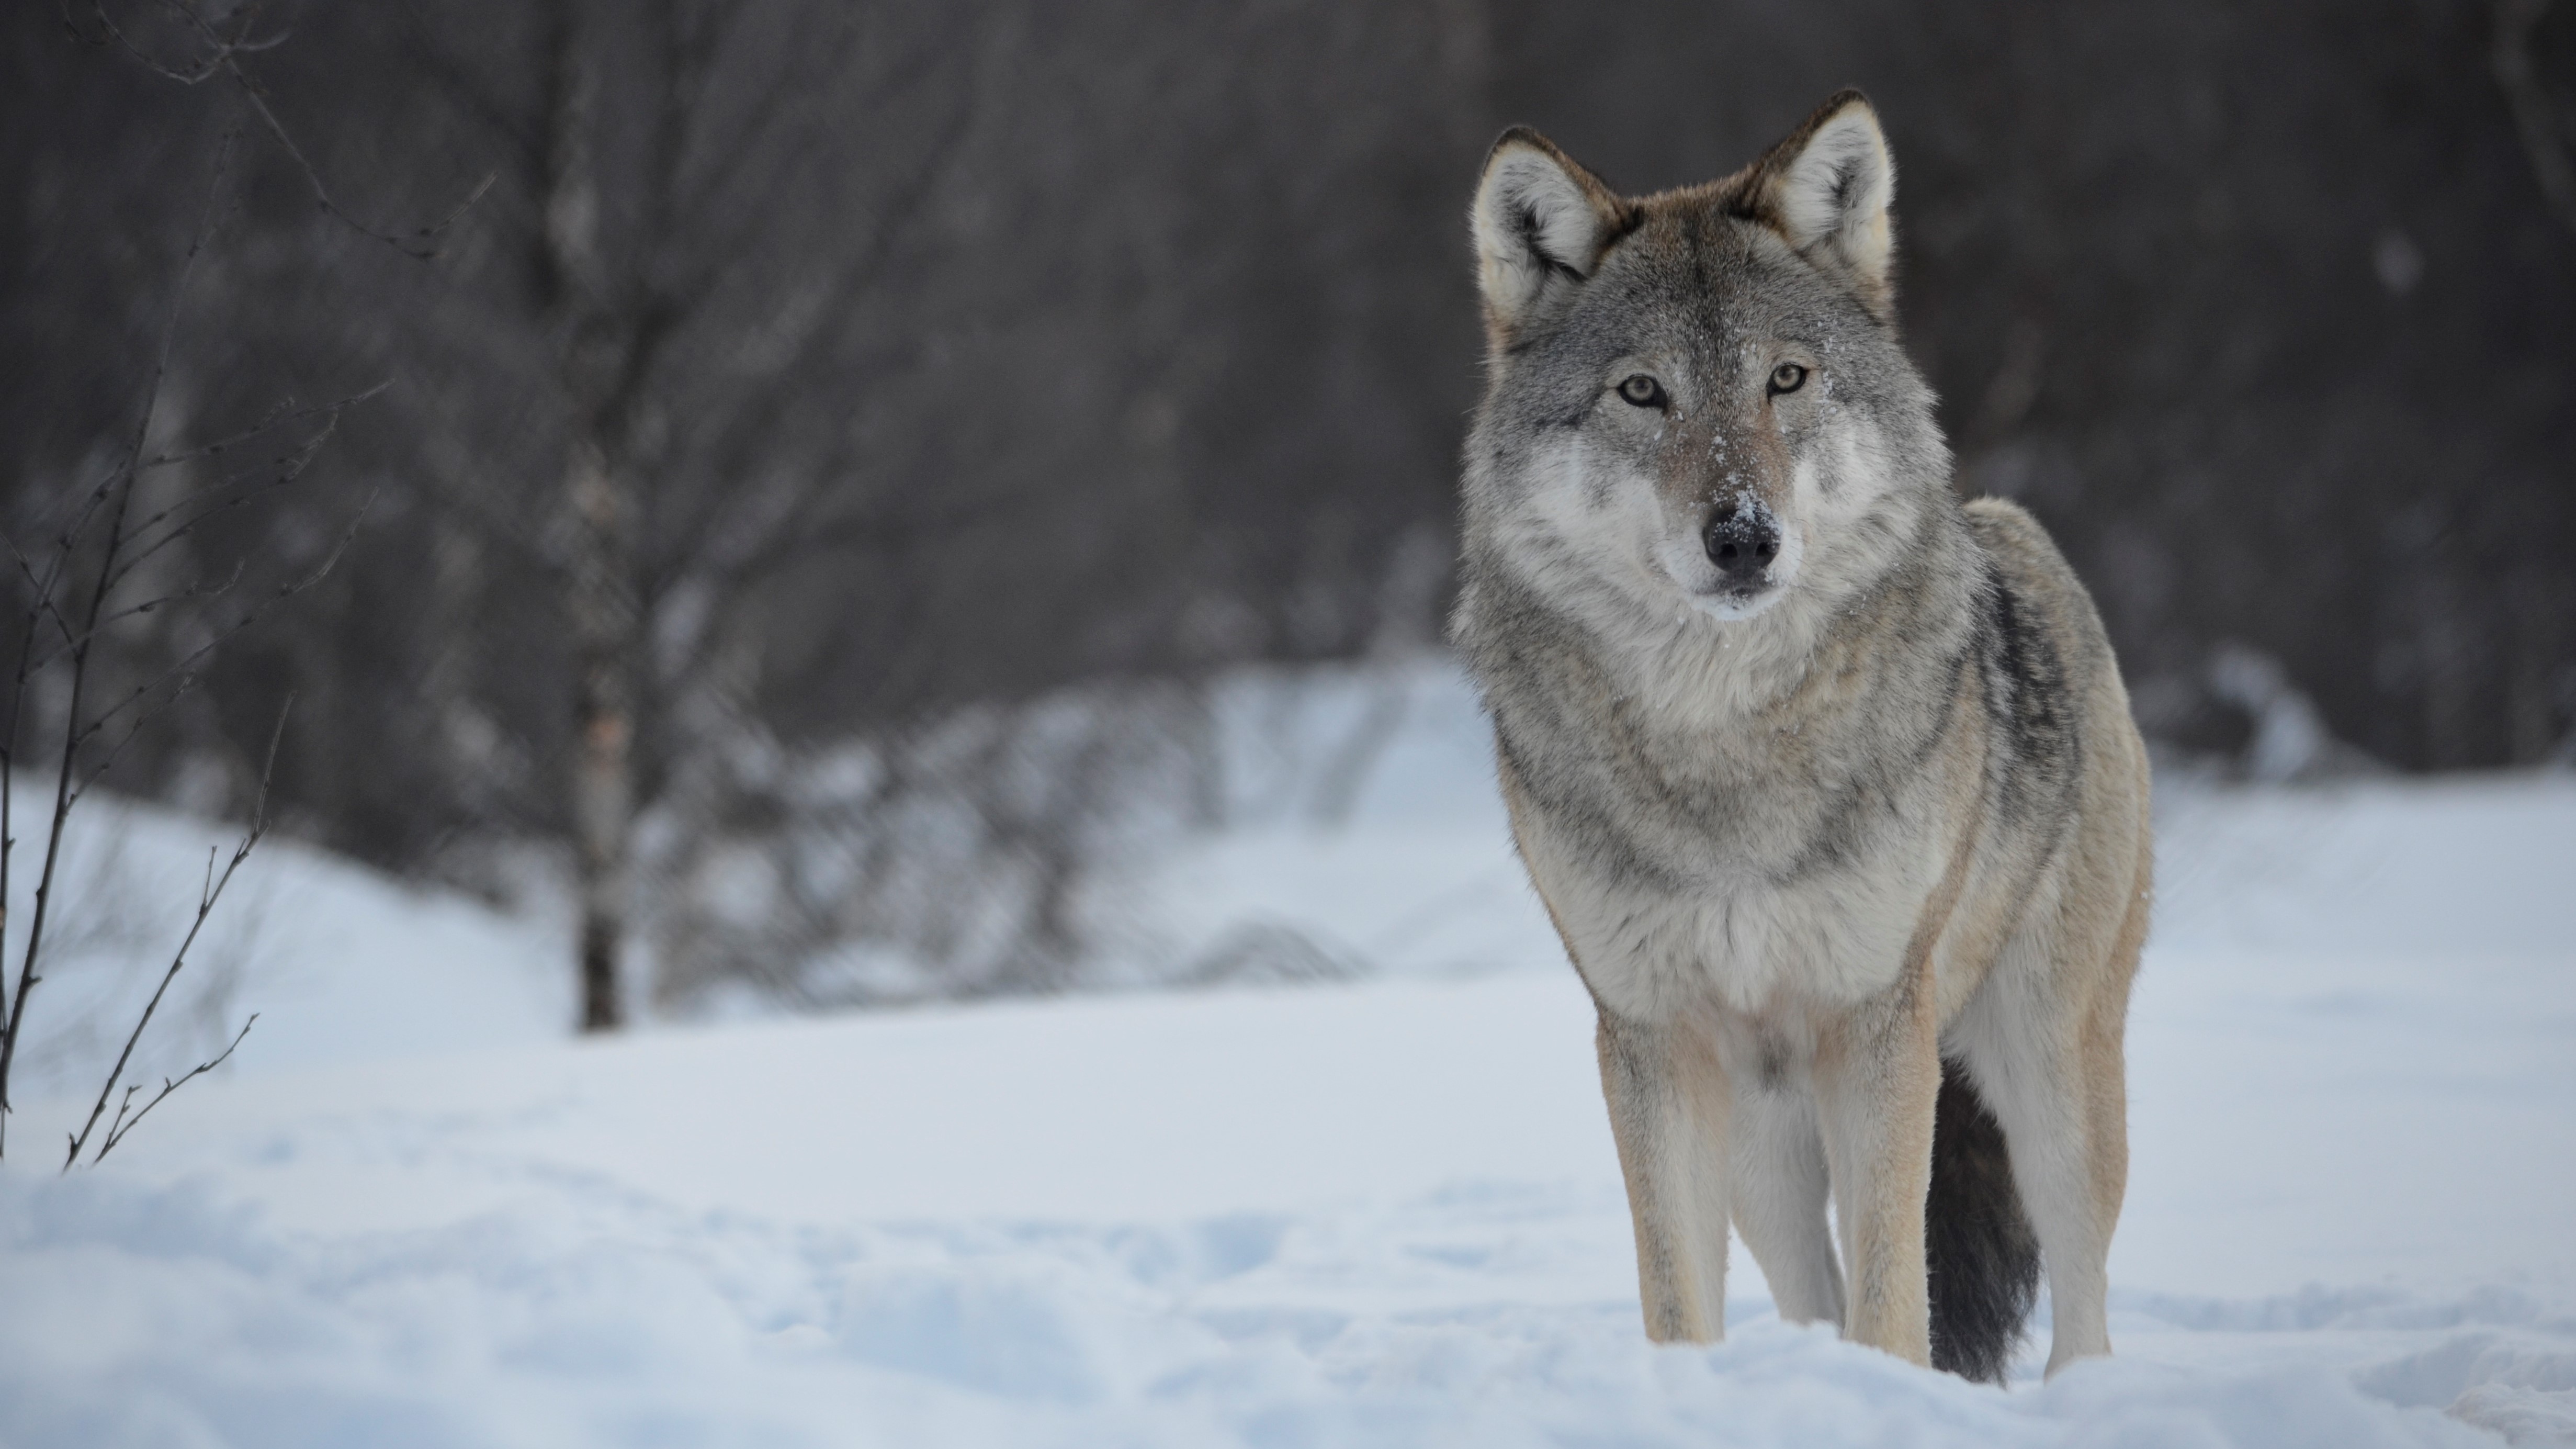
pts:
pixel 1696 400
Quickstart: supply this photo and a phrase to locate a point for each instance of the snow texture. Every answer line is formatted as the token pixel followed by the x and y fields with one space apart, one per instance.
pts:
pixel 1372 1211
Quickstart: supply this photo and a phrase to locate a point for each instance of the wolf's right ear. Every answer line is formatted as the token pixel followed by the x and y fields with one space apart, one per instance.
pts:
pixel 1540 221
pixel 1827 189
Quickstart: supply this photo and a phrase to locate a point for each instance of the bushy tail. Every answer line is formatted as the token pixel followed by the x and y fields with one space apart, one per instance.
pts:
pixel 1983 1257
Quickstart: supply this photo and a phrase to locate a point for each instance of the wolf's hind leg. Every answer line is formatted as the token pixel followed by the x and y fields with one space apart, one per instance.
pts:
pixel 2057 1088
pixel 1777 1191
pixel 1668 1113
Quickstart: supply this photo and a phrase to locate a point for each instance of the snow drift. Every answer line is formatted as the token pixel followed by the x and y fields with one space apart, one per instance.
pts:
pixel 1381 1210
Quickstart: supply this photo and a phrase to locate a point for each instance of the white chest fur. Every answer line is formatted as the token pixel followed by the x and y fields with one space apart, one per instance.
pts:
pixel 1745 945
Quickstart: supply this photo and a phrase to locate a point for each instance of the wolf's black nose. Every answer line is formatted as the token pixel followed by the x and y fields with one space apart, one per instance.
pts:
pixel 1742 541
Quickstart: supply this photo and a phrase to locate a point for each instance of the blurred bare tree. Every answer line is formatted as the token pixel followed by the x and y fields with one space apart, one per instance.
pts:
pixel 663 278
pixel 826 469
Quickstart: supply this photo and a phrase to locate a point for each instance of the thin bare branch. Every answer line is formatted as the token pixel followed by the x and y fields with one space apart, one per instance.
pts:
pixel 221 48
pixel 181 675
pixel 212 510
pixel 120 485
pixel 222 56
pixel 116 1134
pixel 213 500
pixel 409 244
pixel 123 1105
pixel 207 896
pixel 285 412
pixel 42 607
pixel 83 639
pixel 60 557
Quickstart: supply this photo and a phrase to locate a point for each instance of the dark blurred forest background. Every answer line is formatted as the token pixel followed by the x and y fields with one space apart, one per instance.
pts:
pixel 834 447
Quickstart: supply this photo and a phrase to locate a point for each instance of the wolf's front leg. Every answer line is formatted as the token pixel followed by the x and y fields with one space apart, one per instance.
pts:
pixel 1668 1109
pixel 1877 1082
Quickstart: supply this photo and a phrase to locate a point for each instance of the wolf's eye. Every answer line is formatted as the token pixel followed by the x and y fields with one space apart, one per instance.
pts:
pixel 1787 377
pixel 1641 391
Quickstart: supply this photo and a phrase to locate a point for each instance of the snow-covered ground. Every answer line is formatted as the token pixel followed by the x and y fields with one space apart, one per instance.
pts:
pixel 1376 1211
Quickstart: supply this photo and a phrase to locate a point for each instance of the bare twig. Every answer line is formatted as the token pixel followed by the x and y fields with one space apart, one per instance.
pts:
pixel 183 674
pixel 409 244
pixel 102 545
pixel 211 892
pixel 196 590
pixel 223 56
pixel 120 487
pixel 42 607
pixel 212 501
pixel 285 412
pixel 116 1134
pixel 222 47
pixel 77 769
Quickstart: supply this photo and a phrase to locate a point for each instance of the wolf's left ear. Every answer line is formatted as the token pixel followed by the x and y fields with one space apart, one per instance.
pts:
pixel 1541 222
pixel 1827 189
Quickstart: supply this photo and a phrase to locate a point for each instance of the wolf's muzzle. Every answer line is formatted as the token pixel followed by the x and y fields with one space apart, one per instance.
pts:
pixel 1742 542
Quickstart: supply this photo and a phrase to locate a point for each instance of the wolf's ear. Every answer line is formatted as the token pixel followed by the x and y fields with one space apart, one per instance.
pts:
pixel 1827 190
pixel 1540 221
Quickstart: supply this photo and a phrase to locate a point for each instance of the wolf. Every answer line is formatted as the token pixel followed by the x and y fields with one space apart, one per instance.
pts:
pixel 1827 779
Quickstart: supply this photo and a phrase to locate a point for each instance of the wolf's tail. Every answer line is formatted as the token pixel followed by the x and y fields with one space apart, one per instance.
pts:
pixel 1983 1257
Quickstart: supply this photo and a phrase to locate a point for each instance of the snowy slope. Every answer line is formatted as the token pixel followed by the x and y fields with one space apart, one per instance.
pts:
pixel 341 963
pixel 1378 1212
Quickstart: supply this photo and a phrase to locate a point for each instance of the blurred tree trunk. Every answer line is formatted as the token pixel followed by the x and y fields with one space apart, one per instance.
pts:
pixel 603 787
pixel 595 355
